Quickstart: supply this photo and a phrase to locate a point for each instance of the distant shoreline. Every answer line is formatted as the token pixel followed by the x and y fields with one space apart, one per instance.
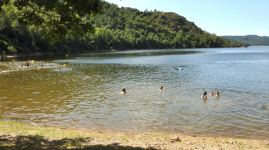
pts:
pixel 49 55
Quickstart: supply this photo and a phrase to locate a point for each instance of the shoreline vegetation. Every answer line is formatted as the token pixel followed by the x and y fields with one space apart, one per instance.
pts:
pixel 15 135
pixel 33 27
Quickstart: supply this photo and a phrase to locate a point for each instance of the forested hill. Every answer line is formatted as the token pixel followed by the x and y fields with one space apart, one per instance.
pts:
pixel 253 40
pixel 84 26
pixel 127 28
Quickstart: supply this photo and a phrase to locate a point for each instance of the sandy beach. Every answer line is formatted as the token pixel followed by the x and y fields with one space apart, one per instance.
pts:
pixel 23 136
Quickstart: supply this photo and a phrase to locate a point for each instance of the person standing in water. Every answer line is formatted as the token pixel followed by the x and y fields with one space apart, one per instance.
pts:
pixel 212 93
pixel 217 94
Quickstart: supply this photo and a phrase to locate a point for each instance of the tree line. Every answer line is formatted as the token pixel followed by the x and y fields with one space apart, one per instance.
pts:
pixel 60 26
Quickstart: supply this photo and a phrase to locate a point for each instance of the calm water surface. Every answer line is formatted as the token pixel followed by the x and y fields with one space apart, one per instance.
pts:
pixel 89 95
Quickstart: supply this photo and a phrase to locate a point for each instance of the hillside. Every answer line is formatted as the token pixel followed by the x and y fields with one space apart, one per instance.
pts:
pixel 27 28
pixel 128 28
pixel 252 40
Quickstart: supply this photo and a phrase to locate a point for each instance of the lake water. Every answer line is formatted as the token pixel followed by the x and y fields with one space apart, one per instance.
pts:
pixel 89 95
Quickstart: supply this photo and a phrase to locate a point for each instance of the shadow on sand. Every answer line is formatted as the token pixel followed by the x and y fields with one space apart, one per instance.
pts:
pixel 40 143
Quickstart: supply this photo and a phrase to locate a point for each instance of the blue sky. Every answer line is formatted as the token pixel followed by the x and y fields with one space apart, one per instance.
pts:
pixel 222 17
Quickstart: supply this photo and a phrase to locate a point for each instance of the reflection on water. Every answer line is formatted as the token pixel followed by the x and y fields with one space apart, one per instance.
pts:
pixel 88 96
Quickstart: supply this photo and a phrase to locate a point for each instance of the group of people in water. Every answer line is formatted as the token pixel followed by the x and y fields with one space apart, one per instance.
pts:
pixel 215 94
pixel 204 96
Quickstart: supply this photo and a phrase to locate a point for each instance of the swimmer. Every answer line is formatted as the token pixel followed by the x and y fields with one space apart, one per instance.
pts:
pixel 204 96
pixel 217 94
pixel 161 88
pixel 123 91
pixel 178 68
pixel 212 93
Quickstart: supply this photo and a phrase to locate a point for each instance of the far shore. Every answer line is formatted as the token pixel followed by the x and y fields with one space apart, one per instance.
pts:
pixel 32 55
pixel 14 135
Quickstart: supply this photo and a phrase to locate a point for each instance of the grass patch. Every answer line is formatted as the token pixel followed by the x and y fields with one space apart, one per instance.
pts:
pixel 15 128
